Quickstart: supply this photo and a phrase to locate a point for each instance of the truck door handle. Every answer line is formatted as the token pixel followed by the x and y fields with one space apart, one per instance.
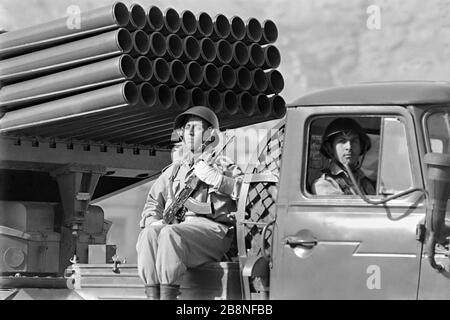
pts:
pixel 298 242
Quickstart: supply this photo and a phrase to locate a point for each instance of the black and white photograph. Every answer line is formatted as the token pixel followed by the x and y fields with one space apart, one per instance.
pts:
pixel 230 154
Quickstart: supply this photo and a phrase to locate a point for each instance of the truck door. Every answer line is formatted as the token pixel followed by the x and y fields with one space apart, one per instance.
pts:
pixel 339 246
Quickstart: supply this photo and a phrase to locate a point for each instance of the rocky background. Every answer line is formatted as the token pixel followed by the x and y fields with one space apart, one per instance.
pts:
pixel 323 43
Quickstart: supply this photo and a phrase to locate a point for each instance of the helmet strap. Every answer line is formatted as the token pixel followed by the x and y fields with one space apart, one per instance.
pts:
pixel 355 167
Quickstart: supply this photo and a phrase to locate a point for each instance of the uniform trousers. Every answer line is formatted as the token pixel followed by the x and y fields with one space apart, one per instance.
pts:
pixel 164 252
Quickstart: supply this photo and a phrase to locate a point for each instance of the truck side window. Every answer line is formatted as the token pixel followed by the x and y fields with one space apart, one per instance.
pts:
pixel 395 165
pixel 324 176
pixel 386 163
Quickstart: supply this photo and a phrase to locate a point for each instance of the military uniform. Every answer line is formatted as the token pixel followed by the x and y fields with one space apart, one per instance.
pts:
pixel 335 181
pixel 166 251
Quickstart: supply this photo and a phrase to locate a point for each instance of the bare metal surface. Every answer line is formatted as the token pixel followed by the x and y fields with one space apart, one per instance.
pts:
pixel 204 25
pixel 48 34
pixel 120 95
pixel 64 83
pixel 43 158
pixel 64 56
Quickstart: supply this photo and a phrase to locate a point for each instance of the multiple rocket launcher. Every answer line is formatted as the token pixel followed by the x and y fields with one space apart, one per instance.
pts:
pixel 127 72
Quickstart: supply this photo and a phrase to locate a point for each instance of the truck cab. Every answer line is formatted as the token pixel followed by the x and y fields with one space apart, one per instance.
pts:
pixel 390 245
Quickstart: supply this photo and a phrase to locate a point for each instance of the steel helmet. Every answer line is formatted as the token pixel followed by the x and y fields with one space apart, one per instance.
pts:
pixel 343 125
pixel 202 112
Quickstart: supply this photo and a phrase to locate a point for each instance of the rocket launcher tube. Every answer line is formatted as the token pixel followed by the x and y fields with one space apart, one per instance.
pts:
pixel 272 57
pixel 177 73
pixel 194 74
pixel 174 47
pixel 221 27
pixel 224 52
pixel 240 54
pixel 270 32
pixel 188 24
pixel 116 96
pixel 191 49
pixel 205 25
pixel 138 18
pixel 65 56
pixel 207 51
pixel 141 44
pixel 144 70
pixel 158 45
pixel 172 22
pixel 237 29
pixel 56 32
pixel 155 20
pixel 253 31
pixel 69 82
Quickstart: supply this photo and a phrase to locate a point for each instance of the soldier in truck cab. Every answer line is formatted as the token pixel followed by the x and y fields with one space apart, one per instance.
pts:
pixel 165 251
pixel 345 144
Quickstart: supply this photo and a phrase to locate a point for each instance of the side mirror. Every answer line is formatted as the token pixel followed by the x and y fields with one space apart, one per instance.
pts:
pixel 438 187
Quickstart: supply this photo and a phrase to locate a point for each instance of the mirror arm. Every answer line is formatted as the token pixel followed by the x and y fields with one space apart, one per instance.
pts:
pixel 431 245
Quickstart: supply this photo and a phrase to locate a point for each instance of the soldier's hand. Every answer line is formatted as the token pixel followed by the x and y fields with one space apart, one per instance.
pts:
pixel 207 173
pixel 150 222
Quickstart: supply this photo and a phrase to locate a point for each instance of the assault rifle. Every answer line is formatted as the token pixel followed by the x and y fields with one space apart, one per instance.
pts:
pixel 177 208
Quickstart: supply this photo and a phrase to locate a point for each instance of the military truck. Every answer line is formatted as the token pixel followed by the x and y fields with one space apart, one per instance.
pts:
pixel 393 245
pixel 290 243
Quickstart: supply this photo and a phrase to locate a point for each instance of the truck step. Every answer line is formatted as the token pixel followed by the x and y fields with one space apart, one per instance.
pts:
pixel 212 281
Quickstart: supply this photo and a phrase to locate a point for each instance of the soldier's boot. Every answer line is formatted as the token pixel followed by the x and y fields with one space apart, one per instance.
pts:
pixel 152 292
pixel 169 291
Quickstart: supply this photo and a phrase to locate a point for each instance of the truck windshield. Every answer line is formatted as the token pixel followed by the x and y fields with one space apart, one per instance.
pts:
pixel 438 128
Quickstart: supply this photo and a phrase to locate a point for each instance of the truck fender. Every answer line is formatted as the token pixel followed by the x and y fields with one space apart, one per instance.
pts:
pixel 256 267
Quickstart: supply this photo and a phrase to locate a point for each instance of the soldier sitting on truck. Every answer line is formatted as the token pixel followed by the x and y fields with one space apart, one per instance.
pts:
pixel 344 142
pixel 165 251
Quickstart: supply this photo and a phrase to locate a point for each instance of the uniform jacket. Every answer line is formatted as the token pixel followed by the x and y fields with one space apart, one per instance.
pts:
pixel 327 184
pixel 222 200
